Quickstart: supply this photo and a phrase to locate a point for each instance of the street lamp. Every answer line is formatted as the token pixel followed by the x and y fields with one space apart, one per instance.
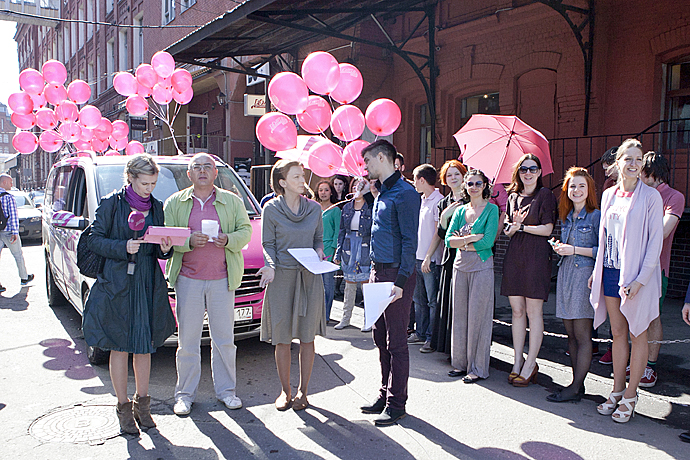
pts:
pixel 222 99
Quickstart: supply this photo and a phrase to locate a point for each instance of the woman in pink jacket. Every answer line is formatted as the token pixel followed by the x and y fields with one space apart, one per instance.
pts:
pixel 626 281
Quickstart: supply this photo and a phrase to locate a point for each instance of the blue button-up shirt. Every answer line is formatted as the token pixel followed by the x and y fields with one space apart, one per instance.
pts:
pixel 585 231
pixel 395 220
pixel 9 207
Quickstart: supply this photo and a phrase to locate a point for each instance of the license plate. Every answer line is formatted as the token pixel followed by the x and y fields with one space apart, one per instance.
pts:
pixel 243 314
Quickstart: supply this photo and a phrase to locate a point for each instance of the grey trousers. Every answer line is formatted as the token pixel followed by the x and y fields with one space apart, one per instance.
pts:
pixel 473 311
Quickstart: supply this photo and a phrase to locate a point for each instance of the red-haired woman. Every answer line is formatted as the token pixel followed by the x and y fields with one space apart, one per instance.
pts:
pixel 578 248
pixel 452 176
pixel 530 215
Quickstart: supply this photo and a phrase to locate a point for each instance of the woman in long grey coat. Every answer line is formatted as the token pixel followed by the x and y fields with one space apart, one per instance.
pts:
pixel 129 313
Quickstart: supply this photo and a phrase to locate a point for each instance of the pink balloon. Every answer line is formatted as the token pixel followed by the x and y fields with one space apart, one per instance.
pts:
pixel 55 94
pixel 86 134
pixel 146 76
pixel 352 158
pixel 99 145
pixel 54 72
pixel 120 130
pixel 325 158
pixel 276 131
pixel 50 141
pixel 185 97
pixel 181 80
pixel 165 82
pixel 162 95
pixel 39 100
pixel 317 116
pixel 321 72
pixel 383 117
pixel 21 103
pixel 25 142
pixel 347 123
pixel 349 86
pixel 112 153
pixel 82 145
pixel 79 91
pixel 67 111
pixel 163 63
pixel 125 83
pixel 134 147
pixel 46 119
pixel 118 144
pixel 143 91
pixel 31 81
pixel 136 105
pixel 288 93
pixel 70 131
pixel 21 121
pixel 103 130
pixel 90 116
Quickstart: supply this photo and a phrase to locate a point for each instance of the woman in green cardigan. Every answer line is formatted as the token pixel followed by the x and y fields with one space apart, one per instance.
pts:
pixel 472 231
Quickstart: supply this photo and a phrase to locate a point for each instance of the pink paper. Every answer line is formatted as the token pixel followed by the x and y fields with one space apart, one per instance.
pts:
pixel 178 235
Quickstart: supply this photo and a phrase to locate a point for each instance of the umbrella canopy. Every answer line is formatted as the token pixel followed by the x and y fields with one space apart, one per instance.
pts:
pixel 494 144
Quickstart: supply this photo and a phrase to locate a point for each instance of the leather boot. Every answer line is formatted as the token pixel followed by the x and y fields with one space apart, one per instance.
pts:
pixel 126 418
pixel 142 411
pixel 348 305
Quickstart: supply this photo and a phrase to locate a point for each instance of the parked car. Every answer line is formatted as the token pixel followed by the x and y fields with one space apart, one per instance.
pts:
pixel 29 216
pixel 37 197
pixel 74 188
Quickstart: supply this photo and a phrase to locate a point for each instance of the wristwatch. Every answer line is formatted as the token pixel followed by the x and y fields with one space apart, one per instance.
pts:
pixel 522 228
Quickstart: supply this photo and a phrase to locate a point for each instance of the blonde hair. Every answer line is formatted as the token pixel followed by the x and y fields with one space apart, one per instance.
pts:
pixel 627 144
pixel 142 163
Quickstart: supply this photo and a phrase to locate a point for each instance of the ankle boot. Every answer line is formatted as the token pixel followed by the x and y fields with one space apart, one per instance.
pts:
pixel 348 305
pixel 126 418
pixel 142 411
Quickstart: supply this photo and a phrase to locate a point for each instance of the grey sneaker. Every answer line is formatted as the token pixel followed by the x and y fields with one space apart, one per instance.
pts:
pixel 426 348
pixel 28 279
pixel 414 338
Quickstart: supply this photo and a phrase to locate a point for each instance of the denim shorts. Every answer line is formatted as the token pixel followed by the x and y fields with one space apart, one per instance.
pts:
pixel 610 279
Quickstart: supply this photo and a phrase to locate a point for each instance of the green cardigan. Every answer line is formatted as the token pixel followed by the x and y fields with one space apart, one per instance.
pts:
pixel 486 224
pixel 331 229
pixel 234 222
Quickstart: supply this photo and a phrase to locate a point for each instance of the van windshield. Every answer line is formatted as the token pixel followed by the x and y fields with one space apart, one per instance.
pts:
pixel 172 178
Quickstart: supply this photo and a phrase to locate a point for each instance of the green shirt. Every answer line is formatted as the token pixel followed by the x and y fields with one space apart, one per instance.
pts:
pixel 486 224
pixel 331 229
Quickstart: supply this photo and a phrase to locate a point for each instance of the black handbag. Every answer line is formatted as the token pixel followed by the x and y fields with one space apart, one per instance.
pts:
pixel 89 263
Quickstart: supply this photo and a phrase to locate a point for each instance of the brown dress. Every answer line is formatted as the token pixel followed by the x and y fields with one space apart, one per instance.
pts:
pixel 527 263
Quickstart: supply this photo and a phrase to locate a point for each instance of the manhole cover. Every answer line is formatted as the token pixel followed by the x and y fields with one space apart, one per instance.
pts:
pixel 78 424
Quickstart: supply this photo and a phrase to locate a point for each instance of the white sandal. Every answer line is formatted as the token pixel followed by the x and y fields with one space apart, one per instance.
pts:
pixel 607 408
pixel 621 416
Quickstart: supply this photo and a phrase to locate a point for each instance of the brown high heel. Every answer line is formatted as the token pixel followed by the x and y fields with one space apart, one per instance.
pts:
pixel 520 381
pixel 512 376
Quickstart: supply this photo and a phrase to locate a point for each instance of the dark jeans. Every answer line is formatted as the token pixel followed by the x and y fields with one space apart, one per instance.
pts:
pixel 390 337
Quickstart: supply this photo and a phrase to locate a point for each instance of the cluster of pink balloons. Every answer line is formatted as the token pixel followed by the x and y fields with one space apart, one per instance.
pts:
pixel 323 75
pixel 159 80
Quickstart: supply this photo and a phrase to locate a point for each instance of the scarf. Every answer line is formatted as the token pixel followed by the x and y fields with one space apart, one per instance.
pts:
pixel 135 200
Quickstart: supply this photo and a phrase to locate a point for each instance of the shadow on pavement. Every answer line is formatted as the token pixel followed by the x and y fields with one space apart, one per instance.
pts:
pixel 17 302
pixel 163 449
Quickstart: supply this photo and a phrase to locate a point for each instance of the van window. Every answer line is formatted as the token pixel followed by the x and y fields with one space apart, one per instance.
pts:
pixel 60 189
pixel 76 197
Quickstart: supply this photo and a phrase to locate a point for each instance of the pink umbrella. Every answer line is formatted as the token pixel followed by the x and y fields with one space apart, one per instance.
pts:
pixel 494 144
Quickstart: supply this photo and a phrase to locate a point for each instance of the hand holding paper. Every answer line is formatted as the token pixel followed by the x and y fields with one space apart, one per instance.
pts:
pixel 377 296
pixel 312 261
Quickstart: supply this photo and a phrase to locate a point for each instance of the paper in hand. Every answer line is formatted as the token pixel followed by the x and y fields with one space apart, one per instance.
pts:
pixel 310 260
pixel 377 297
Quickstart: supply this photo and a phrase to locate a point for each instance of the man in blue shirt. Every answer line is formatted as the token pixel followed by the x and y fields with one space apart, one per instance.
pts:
pixel 395 219
pixel 9 236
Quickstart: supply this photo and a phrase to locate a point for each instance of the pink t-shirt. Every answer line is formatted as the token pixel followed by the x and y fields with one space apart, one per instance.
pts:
pixel 674 204
pixel 208 262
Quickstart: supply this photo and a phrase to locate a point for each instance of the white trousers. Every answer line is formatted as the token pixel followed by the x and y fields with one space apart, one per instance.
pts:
pixel 194 297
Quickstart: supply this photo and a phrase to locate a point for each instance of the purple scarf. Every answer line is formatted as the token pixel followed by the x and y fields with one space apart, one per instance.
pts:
pixel 135 200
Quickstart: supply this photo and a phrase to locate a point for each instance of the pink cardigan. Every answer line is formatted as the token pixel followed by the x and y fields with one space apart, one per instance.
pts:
pixel 642 241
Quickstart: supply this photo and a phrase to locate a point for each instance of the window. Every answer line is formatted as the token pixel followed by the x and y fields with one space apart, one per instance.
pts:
pixel 481 103
pixel 90 78
pixel 138 41
pixel 678 103
pixel 66 41
pixel 99 75
pixel 424 134
pixel 197 138
pixel 109 6
pixel 81 28
pixel 185 4
pixel 89 17
pixel 73 33
pixel 110 61
pixel 168 11
pixel 122 50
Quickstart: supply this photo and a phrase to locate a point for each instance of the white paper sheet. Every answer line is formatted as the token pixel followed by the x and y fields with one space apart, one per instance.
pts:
pixel 377 296
pixel 209 227
pixel 311 261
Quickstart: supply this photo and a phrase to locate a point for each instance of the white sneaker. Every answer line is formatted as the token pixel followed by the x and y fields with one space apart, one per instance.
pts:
pixel 232 402
pixel 341 325
pixel 182 407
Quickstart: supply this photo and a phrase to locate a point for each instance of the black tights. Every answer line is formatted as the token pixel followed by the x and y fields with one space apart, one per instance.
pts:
pixel 580 348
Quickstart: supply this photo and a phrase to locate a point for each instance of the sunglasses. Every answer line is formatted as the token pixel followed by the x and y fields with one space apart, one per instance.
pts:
pixel 525 169
pixel 479 183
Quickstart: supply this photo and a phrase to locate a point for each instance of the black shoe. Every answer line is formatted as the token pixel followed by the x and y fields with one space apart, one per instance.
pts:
pixel 456 373
pixel 558 397
pixel 375 408
pixel 2 288
pixel 685 437
pixel 468 379
pixel 389 416
pixel 28 279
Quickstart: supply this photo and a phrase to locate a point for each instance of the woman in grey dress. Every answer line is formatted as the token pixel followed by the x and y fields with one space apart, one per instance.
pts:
pixel 294 299
pixel 578 248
